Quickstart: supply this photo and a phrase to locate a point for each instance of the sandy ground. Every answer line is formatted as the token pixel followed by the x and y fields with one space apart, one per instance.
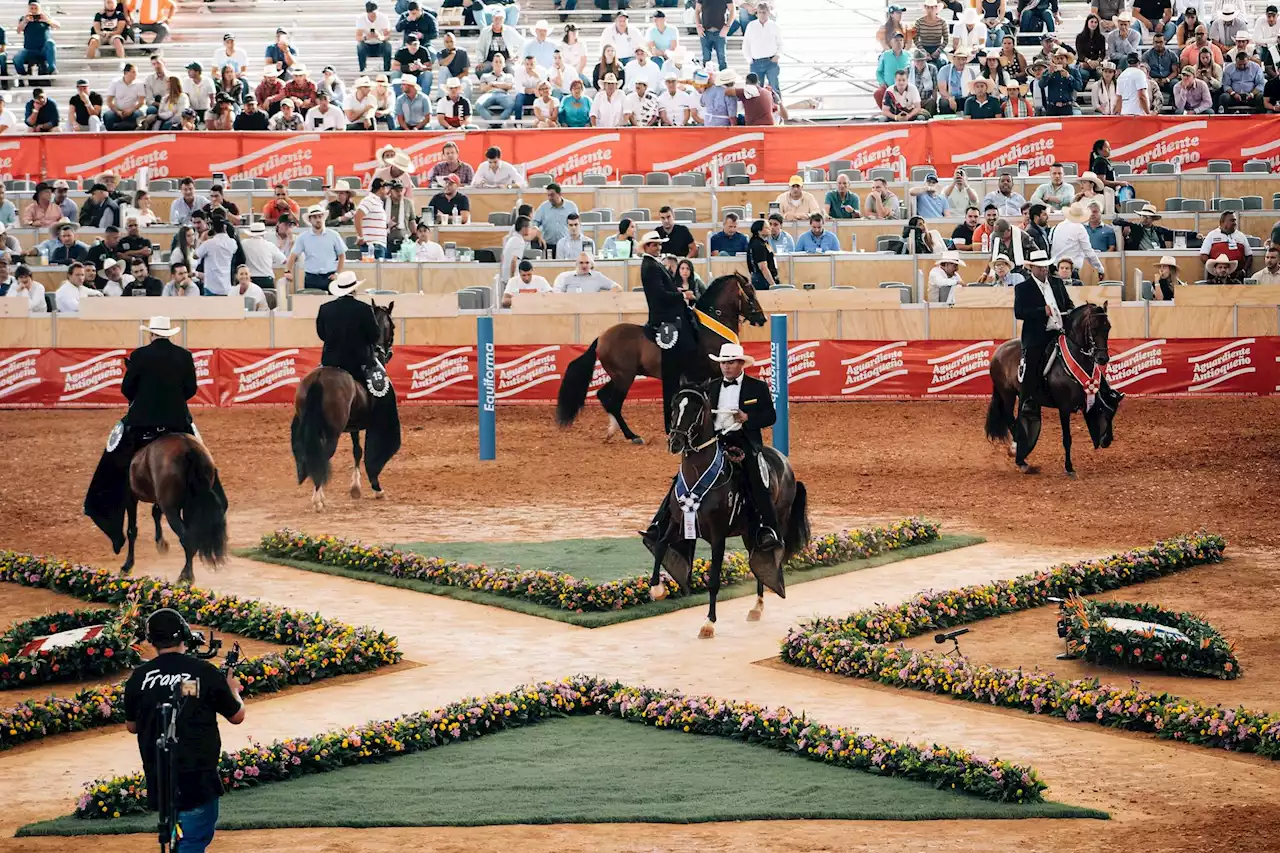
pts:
pixel 1176 466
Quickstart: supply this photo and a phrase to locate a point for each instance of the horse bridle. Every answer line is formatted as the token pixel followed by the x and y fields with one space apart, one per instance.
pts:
pixel 1090 346
pixel 704 402
pixel 382 352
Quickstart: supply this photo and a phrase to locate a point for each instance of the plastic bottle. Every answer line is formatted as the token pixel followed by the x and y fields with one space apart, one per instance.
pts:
pixel 456 217
pixel 44 256
pixel 986 243
pixel 751 214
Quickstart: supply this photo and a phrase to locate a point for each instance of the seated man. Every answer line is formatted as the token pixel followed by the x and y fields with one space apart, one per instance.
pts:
pixel 728 241
pixel 795 204
pixel 450 203
pixel 1145 235
pixel 817 239
pixel 1228 240
pixel 524 281
pixel 1242 85
pixel 422 248
pixel 584 279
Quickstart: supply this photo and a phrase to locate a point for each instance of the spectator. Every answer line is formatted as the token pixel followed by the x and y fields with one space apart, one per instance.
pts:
pixel 331 84
pixel 892 61
pixel 1057 194
pixel 229 55
pixel 728 241
pixel 496 172
pixel 134 246
pixel 930 203
pixel 416 22
pixel 1038 226
pixel 552 215
pixel 945 274
pixel 1267 31
pixel 422 248
pixel 1222 31
pixel 72 290
pixel 574 242
pixel 144 283
pixel 300 90
pixel 218 201
pixel 451 206
pixel 244 287
pixel 762 45
pixel 325 116
pixel 1223 270
pixel 280 56
pixel 199 89
pixel 1145 235
pixel 760 261
pixel 719 103
pixel 68 248
pixel 183 247
pixel 574 51
pixel 621 38
pixel 1192 97
pixel 931 33
pixel 687 278
pixel 111 25
pixel 546 109
pixel 1072 239
pixel 373 33
pixel 674 102
pixel 215 254
pixel 608 64
pixel 270 92
pixel 524 282
pixel 322 250
pixel 712 18
pixel 622 244
pixel 1102 237
pixel 400 216
pixel 223 115
pixel 1064 273
pixel 1155 17
pixel 7 282
pixel 497 39
pixel 413 108
pixel 955 82
pixel 1124 40
pixel 527 77
pixel 584 278
pixel 450 165
pixel 514 246
pixel 842 203
pixel 980 105
pixel 1058 86
pixel 643 71
pixel 817 239
pixel 152 17
pixel 541 48
pixel 924 77
pixel 901 101
pixel 186 203
pixel 26 287
pixel 180 281
pixel 9 213
pixel 139 211
pixel 1242 85
pixel 415 61
pixel 385 98
pixel 99 211
pixel 107 249
pixel 780 241
pixel 115 281
pixel 37 48
pixel 962 236
pixel 660 39
pixel 969 31
pixel 1242 44
pixel 1091 46
pixel 86 109
pixel 1006 201
pixel 608 109
pixel 282 236
pixel 1104 94
pixel 1227 240
pixel 41 113
pixel 892 24
pixel 8 118
pixel 287 119
pixel 1166 279
pixel 453 110
pixel 1270 273
pixel 881 202
pixel 251 118
pixel 1191 53
pixel 641 107
pixel 498 101
pixel 360 106
pixel 1162 64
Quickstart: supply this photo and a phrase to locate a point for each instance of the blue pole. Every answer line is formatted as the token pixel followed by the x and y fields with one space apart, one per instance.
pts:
pixel 486 370
pixel 779 382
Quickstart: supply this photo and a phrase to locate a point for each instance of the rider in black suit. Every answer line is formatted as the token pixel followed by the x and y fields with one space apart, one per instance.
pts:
pixel 348 328
pixel 667 304
pixel 1040 330
pixel 755 412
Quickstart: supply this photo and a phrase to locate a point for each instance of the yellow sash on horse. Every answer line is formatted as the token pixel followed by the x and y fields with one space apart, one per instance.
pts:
pixel 716 326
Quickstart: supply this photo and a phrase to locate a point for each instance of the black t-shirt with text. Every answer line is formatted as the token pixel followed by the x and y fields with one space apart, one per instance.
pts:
pixel 149 286
pixel 679 240
pixel 81 110
pixel 110 20
pixel 444 206
pixel 199 744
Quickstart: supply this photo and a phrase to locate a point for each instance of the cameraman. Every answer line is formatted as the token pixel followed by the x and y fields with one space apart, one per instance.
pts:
pixel 198 744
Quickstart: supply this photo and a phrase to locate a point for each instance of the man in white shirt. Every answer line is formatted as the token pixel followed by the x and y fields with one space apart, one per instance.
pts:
pixel 514 246
pixel 524 281
pixel 421 249
pixel 1071 240
pixel 217 253
pixel 260 255
pixel 29 289
pixel 1132 98
pixel 584 279
pixel 9 124
pixel 761 45
pixel 371 220
pixel 641 107
pixel 360 105
pixel 198 88
pixel 643 71
pixel 231 55
pixel 608 108
pixel 180 282
pixel 496 172
pixel 945 274
pixel 117 280
pixel 71 291
pixel 324 115
pixel 673 104
pixel 126 101
pixel 373 34
pixel 527 77
pixel 618 35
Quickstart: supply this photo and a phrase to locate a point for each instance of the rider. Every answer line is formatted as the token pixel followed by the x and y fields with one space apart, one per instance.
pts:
pixel 1039 303
pixel 159 379
pixel 349 330
pixel 669 326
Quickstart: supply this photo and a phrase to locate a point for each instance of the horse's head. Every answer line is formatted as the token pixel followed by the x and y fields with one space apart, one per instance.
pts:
pixel 1091 330
pixel 386 331
pixel 1100 417
pixel 691 419
pixel 731 298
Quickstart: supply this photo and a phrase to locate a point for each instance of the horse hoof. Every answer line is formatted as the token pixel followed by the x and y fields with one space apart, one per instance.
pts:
pixel 753 615
pixel 637 440
pixel 1028 469
pixel 186 579
pixel 162 546
pixel 125 569
pixel 1071 475
pixel 355 493
pixel 657 593
pixel 708 631
pixel 379 495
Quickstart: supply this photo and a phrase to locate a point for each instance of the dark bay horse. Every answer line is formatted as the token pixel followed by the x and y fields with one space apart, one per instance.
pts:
pixel 723 511
pixel 626 353
pixel 330 402
pixel 176 475
pixel 1087 328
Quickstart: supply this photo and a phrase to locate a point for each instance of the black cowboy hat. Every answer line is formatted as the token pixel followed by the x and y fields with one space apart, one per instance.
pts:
pixel 40 187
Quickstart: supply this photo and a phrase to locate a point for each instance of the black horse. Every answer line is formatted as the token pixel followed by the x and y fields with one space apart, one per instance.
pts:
pixel 723 511
pixel 1087 329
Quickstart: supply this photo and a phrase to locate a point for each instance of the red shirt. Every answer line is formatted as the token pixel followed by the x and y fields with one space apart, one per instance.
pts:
pixel 758 110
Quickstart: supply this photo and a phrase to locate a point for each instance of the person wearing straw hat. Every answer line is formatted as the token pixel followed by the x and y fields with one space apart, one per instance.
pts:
pixel 981 105
pixel 348 329
pixel 1223 270
pixel 322 250
pixel 1145 235
pixel 670 325
pixel 955 82
pixel 945 273
pixel 999 273
pixel 1166 278
pixel 1040 304
pixel 1070 239
pixel 396 165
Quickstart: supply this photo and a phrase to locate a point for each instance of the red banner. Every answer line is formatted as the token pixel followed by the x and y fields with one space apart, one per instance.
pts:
pixel 819 370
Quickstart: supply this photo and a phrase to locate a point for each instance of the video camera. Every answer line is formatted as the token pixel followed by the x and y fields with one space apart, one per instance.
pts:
pixel 212 646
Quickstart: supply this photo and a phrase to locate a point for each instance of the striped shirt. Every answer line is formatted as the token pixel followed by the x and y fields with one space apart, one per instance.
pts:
pixel 931 35
pixel 373 228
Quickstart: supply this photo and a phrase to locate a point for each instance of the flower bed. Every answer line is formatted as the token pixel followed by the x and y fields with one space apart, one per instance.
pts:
pixel 566 592
pixel 110 651
pixel 316 647
pixel 779 729
pixel 1208 653
pixel 857 646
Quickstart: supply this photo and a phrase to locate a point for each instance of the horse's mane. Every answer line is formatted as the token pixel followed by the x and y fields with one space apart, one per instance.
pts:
pixel 712 294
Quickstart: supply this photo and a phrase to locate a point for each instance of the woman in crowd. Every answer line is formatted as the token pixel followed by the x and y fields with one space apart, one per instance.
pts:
pixel 43 210
pixel 760 262
pixel 339 208
pixel 223 115
pixel 994 70
pixel 1166 279
pixel 183 248
pixel 141 210
pixel 385 112
pixel 573 51
pixel 1100 164
pixel 1186 31
pixel 1104 91
pixel 608 64
pixel 893 24
pixel 926 242
pixel 626 235
pixel 1011 61
pixel 330 82
pixel 687 277
pixel 232 86
pixel 169 110
pixel 575 110
pixel 1209 71
pixel 546 110
pixel 1091 47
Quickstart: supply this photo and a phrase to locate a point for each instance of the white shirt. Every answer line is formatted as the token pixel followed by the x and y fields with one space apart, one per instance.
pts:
pixel 761 41
pixel 129 96
pixel 111 288
pixel 727 404
pixel 650 73
pixel 675 106
pixel 261 257
pixel 428 251
pixel 1071 240
pixel 608 112
pixel 1055 315
pixel 200 94
pixel 1236 236
pixel 536 284
pixel 364 107
pixel 1130 82
pixel 939 279
pixel 331 119
pixel 380 23
pixel 171 289
pixel 1264 33
pixel 373 226
pixel 970 38
pixel 34 297
pixel 573 281
pixel 624 43
pixel 512 254
pixel 238 59
pixel 68 296
pixel 9 124
pixel 251 292
pixel 525 79
pixel 505 175
pixel 217 252
pixel 642 110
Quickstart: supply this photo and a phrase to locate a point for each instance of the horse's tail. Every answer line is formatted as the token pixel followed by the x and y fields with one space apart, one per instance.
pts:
pixel 798 532
pixel 311 436
pixel 997 417
pixel 204 514
pixel 573 388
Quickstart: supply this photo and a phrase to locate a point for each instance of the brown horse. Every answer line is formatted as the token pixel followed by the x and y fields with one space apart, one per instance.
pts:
pixel 1087 329
pixel 626 353
pixel 176 475
pixel 330 402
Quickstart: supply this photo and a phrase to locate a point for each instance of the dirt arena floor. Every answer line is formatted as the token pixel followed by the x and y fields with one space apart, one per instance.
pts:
pixel 1177 465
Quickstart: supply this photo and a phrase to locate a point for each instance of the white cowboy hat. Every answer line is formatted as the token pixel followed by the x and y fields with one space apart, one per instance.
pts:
pixel 1038 258
pixel 726 77
pixel 1148 210
pixel 1002 259
pixel 652 237
pixel 1168 261
pixel 949 257
pixel 1128 18
pixel 344 282
pixel 340 187
pixel 1077 213
pixel 363 82
pixel 109 263
pixel 969 17
pixel 1222 261
pixel 732 352
pixel 161 326
pixel 315 210
pixel 398 158
pixel 1092 177
pixel 258 228
pixel 298 69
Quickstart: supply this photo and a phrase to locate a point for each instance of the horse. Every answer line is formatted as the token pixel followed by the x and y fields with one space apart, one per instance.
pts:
pixel 330 402
pixel 625 353
pixel 1087 329
pixel 177 476
pixel 722 512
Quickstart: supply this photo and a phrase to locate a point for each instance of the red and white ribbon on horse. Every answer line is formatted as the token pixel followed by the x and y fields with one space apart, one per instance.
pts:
pixel 1090 382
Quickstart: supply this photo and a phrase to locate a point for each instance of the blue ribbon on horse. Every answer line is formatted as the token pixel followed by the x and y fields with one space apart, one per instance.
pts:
pixel 690 497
